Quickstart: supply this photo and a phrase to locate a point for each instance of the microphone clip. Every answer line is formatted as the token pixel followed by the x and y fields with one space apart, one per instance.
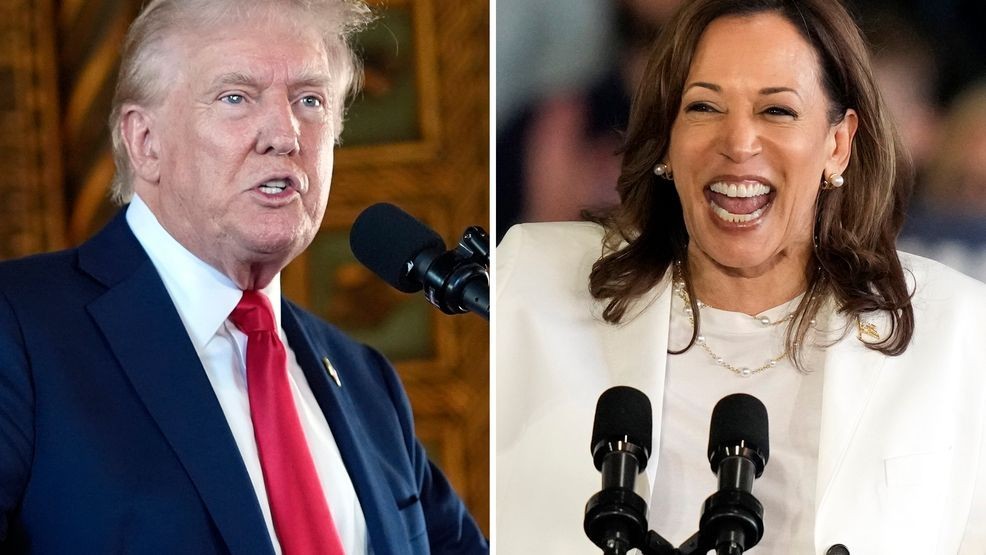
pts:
pixel 731 523
pixel 458 280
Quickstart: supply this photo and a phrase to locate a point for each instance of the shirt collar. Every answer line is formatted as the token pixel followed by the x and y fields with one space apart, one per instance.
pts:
pixel 203 295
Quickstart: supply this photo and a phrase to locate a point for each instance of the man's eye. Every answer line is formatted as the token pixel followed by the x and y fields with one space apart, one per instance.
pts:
pixel 312 101
pixel 232 99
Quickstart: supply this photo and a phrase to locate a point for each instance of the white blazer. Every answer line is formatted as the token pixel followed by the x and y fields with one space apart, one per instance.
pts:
pixel 902 458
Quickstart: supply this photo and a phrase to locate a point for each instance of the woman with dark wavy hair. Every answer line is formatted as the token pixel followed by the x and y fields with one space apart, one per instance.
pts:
pixel 762 190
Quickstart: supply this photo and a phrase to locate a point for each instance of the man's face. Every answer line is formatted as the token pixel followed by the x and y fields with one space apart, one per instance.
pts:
pixel 245 135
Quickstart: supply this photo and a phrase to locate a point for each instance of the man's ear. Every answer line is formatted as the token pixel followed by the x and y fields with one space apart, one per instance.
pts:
pixel 142 142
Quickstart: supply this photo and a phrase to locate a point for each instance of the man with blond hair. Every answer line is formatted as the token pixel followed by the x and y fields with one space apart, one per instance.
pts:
pixel 157 395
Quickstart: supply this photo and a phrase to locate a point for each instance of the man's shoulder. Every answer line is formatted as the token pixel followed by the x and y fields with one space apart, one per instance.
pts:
pixel 40 261
pixel 37 272
pixel 109 255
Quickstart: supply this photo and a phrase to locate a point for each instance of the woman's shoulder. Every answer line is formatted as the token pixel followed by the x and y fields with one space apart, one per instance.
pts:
pixel 577 235
pixel 547 256
pixel 935 285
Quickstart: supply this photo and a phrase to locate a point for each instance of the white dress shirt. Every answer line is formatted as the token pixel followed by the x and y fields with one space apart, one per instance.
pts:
pixel 205 298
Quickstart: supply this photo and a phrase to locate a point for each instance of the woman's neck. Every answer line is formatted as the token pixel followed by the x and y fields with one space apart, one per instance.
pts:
pixel 747 290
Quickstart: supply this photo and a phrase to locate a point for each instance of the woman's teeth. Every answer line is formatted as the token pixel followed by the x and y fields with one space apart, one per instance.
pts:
pixel 739 202
pixel 735 218
pixel 743 190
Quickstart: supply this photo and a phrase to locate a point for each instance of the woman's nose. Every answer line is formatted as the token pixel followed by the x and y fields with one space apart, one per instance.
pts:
pixel 740 138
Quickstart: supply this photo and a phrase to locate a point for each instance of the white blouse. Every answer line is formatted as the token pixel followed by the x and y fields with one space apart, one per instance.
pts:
pixel 694 383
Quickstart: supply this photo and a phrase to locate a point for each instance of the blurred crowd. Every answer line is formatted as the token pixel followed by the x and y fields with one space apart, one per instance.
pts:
pixel 566 70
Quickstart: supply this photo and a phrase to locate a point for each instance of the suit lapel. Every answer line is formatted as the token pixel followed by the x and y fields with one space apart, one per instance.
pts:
pixel 850 377
pixel 375 497
pixel 636 353
pixel 145 333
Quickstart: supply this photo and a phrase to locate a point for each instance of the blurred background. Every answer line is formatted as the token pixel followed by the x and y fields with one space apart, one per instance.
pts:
pixel 418 137
pixel 565 70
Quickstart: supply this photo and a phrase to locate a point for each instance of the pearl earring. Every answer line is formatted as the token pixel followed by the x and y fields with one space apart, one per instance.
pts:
pixel 834 181
pixel 663 170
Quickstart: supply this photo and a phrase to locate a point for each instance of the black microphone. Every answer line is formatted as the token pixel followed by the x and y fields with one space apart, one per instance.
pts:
pixel 739 447
pixel 409 256
pixel 615 518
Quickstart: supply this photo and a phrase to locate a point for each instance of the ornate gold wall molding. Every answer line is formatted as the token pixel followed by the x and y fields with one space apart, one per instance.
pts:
pixel 31 213
pixel 90 35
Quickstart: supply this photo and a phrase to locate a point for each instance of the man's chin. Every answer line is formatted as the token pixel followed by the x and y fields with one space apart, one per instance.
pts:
pixel 263 250
pixel 273 251
pixel 266 239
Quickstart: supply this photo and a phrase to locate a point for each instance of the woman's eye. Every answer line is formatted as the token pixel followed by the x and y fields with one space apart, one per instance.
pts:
pixel 779 111
pixel 312 101
pixel 232 99
pixel 699 107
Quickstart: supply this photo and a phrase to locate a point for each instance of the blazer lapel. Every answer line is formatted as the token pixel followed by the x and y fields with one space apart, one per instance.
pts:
pixel 850 377
pixel 636 353
pixel 146 335
pixel 375 497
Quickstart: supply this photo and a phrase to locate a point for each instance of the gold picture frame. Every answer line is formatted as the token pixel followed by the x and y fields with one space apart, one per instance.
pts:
pixel 400 89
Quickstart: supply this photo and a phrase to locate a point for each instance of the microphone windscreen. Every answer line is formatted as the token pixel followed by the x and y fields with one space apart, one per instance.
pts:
pixel 623 413
pixel 385 239
pixel 739 419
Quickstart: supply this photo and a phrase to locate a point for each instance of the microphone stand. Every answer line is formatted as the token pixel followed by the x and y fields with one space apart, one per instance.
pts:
pixel 732 518
pixel 656 545
pixel 721 514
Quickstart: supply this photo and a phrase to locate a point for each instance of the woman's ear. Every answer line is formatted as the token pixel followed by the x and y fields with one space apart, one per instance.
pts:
pixel 843 134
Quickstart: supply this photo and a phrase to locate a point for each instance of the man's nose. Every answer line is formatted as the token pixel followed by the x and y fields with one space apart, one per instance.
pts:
pixel 279 130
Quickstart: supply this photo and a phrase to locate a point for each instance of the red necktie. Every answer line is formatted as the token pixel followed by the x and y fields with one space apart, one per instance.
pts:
pixel 301 515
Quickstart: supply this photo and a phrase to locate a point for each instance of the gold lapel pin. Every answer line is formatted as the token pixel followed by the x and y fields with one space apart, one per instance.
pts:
pixel 332 371
pixel 868 329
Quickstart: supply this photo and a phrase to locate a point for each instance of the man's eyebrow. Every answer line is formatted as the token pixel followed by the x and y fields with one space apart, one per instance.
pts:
pixel 313 81
pixel 311 78
pixel 234 78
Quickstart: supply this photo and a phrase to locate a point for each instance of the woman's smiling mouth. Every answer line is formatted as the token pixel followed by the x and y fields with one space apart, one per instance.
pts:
pixel 739 203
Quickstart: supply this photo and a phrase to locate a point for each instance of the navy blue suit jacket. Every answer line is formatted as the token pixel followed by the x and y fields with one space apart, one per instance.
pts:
pixel 112 439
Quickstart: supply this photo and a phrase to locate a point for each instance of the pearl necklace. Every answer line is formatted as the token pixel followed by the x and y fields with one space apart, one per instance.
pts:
pixel 742 371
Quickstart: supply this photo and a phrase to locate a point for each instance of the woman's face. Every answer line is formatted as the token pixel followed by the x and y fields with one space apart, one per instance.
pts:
pixel 750 145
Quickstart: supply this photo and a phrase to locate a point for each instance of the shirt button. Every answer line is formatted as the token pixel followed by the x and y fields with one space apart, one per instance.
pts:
pixel 837 549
